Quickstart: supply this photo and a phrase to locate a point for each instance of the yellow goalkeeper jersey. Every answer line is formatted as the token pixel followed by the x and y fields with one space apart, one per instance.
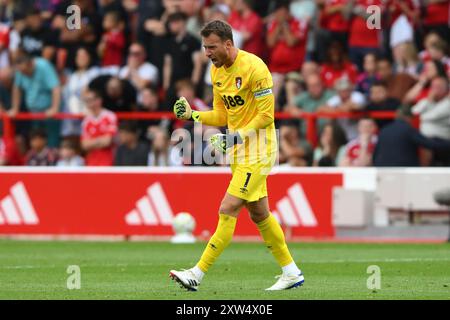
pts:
pixel 243 100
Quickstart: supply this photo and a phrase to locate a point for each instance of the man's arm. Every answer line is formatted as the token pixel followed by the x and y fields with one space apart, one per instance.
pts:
pixel 96 143
pixel 16 101
pixel 56 100
pixel 218 116
pixel 434 144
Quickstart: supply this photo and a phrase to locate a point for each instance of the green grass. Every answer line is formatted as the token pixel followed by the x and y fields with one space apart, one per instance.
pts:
pixel 139 270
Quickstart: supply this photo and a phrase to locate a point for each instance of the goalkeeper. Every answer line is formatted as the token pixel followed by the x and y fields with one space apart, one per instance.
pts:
pixel 243 100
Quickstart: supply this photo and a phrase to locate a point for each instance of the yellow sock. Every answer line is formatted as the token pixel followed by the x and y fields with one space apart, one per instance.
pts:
pixel 218 242
pixel 273 236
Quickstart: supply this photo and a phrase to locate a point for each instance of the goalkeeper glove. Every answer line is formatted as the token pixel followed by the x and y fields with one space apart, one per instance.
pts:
pixel 221 142
pixel 183 110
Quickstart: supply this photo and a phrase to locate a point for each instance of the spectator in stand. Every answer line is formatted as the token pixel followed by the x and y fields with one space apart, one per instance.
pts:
pixel 40 153
pixel 438 51
pixel 37 39
pixel 331 147
pixel 139 72
pixel 111 48
pixel 369 76
pixel 250 26
pixel 379 101
pixel 294 151
pixel 345 100
pixel 6 84
pixel 98 130
pixel 68 154
pixel 401 16
pixel 184 59
pixel 429 39
pixel 131 151
pixel 152 32
pixel 335 19
pixel 398 143
pixel 149 103
pixel 397 84
pixel 406 59
pixel 286 39
pixel 37 83
pixel 119 95
pixel 432 69
pixel 337 66
pixel 437 17
pixel 70 39
pixel 72 92
pixel 9 154
pixel 359 151
pixel 309 101
pixel 363 40
pixel 434 111
pixel 162 154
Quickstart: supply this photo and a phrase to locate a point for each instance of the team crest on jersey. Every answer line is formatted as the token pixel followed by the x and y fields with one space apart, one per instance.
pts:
pixel 238 82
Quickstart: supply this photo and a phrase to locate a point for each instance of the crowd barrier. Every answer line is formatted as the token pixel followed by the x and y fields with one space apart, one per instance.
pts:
pixel 309 118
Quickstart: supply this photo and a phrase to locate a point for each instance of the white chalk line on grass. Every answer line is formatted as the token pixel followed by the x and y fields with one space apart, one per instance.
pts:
pixel 140 264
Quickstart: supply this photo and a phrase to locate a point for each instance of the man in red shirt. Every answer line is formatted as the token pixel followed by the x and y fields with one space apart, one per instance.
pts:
pixel 250 25
pixel 98 131
pixel 286 39
pixel 363 40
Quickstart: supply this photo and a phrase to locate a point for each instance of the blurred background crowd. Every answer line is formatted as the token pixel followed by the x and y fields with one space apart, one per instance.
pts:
pixel 326 56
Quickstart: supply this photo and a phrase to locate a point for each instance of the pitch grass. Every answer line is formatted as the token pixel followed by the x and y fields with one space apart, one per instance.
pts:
pixel 139 270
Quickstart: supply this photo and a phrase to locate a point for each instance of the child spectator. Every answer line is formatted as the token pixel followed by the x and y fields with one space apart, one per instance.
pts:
pixel 131 151
pixel 98 131
pixel 111 48
pixel 40 154
pixel 68 155
pixel 359 151
pixel 331 147
pixel 369 76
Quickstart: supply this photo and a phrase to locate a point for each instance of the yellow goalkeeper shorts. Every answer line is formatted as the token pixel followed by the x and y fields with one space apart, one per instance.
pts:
pixel 249 181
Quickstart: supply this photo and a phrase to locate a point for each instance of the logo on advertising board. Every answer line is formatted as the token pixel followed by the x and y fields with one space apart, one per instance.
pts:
pixel 17 208
pixel 152 209
pixel 294 210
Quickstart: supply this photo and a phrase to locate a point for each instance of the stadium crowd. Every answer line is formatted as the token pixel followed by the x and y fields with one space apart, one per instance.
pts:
pixel 325 56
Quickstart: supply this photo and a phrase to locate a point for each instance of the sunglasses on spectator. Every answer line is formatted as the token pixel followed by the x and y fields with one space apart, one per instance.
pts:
pixel 135 53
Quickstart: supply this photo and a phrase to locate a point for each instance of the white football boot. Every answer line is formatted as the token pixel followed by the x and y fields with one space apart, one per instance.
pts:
pixel 186 278
pixel 287 282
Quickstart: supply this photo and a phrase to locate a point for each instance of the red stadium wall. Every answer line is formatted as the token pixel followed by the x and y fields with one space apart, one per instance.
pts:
pixel 131 202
